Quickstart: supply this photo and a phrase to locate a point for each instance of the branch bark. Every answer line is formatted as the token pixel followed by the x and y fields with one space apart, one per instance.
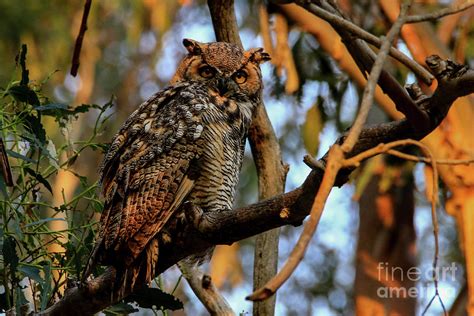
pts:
pixel 290 208
pixel 80 38
pixel 268 161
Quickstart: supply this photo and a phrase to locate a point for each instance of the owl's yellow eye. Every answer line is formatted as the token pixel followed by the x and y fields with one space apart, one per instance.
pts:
pixel 240 76
pixel 207 72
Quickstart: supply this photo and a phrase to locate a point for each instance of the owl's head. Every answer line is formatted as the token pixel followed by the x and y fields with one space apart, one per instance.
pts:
pixel 228 69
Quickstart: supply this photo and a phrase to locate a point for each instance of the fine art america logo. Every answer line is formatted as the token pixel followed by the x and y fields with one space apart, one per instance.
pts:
pixel 391 277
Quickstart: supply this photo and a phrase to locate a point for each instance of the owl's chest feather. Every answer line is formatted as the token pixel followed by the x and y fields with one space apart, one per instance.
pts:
pixel 221 159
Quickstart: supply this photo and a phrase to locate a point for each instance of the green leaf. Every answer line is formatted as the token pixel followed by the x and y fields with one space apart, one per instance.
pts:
pixel 311 129
pixel 34 126
pixel 31 272
pixel 9 252
pixel 40 179
pixel 3 188
pixel 120 309
pixel 52 154
pixel 14 154
pixel 62 111
pixel 149 297
pixel 364 177
pixel 23 94
pixel 52 106
pixel 22 60
pixel 46 285
pixel 20 301
pixel 45 220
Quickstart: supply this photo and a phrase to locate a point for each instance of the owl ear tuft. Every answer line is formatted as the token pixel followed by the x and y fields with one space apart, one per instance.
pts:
pixel 192 46
pixel 257 55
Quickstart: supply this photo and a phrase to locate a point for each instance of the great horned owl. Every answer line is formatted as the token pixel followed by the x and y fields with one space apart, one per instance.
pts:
pixel 185 143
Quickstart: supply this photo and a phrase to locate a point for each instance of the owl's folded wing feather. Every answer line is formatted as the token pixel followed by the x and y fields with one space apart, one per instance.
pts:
pixel 147 174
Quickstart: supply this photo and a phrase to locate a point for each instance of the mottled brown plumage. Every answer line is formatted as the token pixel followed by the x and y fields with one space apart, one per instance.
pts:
pixel 185 143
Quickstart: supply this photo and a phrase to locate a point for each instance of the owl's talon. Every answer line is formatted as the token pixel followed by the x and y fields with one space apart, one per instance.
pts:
pixel 194 214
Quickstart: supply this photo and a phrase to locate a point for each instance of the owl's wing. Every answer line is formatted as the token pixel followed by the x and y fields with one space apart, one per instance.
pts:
pixel 148 172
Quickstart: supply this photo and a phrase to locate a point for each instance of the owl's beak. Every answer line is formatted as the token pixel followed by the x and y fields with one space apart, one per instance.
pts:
pixel 226 86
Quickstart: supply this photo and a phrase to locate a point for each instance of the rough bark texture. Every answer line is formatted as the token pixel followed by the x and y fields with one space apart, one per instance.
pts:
pixel 267 156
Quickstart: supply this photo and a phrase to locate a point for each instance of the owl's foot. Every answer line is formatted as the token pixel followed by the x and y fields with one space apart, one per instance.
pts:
pixel 193 213
pixel 202 220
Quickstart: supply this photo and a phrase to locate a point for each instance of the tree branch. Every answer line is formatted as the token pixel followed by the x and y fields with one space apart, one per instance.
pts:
pixel 357 31
pixel 202 286
pixel 291 208
pixel 267 157
pixel 364 58
pixel 334 164
pixel 438 14
pixel 80 38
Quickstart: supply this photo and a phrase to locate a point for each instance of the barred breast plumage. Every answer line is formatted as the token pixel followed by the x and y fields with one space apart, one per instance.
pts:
pixel 185 143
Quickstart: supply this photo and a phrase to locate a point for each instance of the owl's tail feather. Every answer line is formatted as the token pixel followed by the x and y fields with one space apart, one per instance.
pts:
pixel 140 273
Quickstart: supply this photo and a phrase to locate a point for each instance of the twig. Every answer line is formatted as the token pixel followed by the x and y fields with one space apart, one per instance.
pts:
pixel 451 162
pixel 313 163
pixel 434 219
pixel 80 38
pixel 438 14
pixel 354 29
pixel 5 165
pixel 388 148
pixel 265 29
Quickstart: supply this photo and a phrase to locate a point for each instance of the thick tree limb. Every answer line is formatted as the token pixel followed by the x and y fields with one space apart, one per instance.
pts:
pixel 286 209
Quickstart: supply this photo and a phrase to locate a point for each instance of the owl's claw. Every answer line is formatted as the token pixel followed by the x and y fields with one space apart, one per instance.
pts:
pixel 203 221
pixel 194 214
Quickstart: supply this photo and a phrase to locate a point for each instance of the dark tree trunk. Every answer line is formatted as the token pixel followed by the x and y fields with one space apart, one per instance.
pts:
pixel 386 248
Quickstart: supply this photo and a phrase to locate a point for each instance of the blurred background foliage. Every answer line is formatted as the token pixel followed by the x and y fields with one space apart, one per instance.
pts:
pixel 130 51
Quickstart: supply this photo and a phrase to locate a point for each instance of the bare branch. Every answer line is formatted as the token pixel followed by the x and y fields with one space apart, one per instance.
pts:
pixel 5 165
pixel 202 286
pixel 438 14
pixel 364 58
pixel 354 29
pixel 80 38
pixel 368 96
